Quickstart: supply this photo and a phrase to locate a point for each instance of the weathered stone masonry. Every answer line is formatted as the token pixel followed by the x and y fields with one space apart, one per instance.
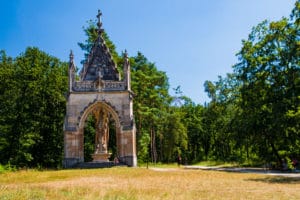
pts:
pixel 101 92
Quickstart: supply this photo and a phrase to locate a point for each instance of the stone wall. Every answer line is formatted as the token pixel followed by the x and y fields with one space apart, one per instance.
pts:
pixel 80 105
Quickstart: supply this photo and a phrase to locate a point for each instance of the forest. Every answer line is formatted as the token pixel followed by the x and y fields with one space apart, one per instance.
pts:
pixel 252 118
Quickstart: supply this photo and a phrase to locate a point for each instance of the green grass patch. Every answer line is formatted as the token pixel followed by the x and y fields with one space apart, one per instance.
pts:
pixel 159 165
pixel 217 164
pixel 7 168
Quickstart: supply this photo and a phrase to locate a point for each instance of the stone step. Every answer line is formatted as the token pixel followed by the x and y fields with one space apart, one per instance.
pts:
pixel 94 165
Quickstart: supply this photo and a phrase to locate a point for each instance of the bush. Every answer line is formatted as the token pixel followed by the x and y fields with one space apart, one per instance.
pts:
pixel 7 168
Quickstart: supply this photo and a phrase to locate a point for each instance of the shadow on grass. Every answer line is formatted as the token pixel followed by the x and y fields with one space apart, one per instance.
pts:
pixel 278 179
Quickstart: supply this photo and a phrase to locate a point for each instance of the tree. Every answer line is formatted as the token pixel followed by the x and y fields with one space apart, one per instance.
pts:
pixel 33 105
pixel 220 115
pixel 198 142
pixel 151 100
pixel 8 99
pixel 269 72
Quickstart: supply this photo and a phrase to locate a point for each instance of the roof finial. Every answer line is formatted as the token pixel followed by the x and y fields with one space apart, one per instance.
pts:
pixel 99 24
pixel 125 54
pixel 71 56
pixel 126 60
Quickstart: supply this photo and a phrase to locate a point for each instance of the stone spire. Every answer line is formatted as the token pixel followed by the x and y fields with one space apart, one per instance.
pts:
pixel 126 69
pixel 72 70
pixel 71 57
pixel 100 63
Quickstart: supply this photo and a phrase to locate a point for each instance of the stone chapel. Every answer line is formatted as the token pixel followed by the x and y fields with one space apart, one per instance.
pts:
pixel 103 93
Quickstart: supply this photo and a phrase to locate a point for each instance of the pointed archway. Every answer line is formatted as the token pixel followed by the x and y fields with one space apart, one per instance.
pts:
pixel 102 114
pixel 102 93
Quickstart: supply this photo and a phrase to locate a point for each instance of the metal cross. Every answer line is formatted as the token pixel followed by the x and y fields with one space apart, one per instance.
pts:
pixel 99 18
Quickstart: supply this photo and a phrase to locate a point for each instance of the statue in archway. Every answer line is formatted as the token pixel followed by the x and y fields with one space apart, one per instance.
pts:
pixel 102 118
pixel 102 131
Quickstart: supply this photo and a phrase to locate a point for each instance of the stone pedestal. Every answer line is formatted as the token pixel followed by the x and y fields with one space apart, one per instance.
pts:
pixel 101 157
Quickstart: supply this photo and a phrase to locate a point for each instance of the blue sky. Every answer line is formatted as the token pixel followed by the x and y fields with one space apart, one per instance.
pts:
pixel 191 40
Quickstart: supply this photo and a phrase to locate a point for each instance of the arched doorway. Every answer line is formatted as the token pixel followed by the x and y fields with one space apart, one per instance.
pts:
pixel 100 138
pixel 89 134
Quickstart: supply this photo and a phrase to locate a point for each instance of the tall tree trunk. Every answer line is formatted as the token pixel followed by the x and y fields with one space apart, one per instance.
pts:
pixel 161 149
pixel 275 151
pixel 153 145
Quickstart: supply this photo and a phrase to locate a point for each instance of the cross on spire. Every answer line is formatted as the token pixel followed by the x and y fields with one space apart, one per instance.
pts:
pixel 99 24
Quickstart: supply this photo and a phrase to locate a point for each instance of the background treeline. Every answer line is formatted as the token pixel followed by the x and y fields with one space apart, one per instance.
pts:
pixel 253 116
pixel 32 109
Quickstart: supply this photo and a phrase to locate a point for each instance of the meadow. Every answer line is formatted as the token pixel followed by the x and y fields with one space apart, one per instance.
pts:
pixel 141 183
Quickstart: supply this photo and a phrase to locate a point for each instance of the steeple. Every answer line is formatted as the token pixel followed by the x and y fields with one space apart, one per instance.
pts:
pixel 72 70
pixel 100 63
pixel 71 57
pixel 126 71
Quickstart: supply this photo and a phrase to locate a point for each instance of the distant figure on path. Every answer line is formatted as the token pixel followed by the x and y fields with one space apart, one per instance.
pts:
pixel 179 160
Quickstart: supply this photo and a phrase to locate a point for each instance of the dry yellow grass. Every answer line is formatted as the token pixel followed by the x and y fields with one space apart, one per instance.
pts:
pixel 140 183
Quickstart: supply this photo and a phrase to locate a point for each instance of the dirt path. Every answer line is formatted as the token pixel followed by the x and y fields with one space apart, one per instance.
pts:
pixel 247 170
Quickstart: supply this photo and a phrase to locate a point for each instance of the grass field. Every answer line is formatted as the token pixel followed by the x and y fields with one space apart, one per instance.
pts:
pixel 140 183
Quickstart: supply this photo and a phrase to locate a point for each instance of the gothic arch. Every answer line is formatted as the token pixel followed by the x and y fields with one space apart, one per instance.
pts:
pixel 95 105
pixel 100 106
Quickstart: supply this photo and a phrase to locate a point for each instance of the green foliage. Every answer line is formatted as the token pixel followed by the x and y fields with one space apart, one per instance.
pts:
pixel 253 113
pixel 174 137
pixel 143 153
pixel 89 138
pixel 32 109
pixel 269 72
pixel 151 102
pixel 7 168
